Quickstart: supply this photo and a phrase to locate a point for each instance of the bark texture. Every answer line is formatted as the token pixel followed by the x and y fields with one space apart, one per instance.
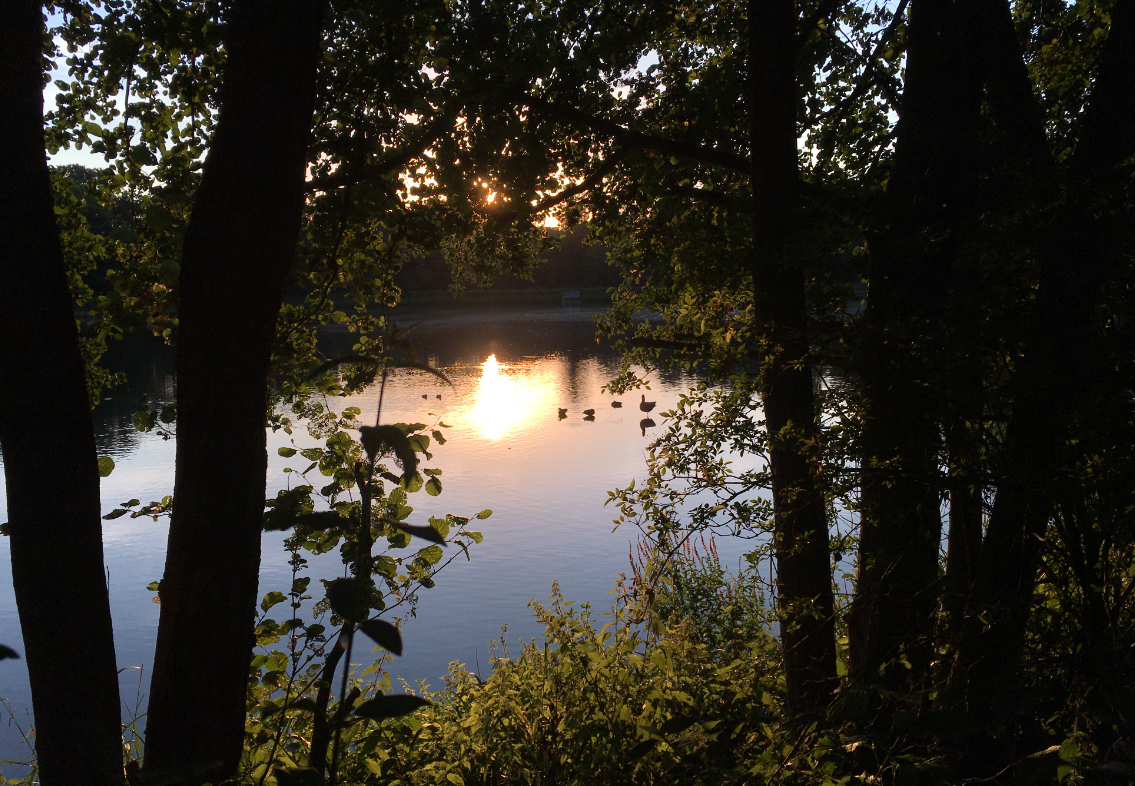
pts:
pixel 48 442
pixel 238 246
pixel 803 568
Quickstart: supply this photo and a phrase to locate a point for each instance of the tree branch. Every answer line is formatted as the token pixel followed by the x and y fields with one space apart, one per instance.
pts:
pixel 390 163
pixel 591 181
pixel 628 139
pixel 635 139
pixel 808 26
pixel 588 183
pixel 861 86
pixel 715 198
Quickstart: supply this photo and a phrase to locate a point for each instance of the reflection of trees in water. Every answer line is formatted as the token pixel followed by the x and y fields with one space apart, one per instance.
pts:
pixel 454 342
pixel 572 381
pixel 148 365
pixel 670 375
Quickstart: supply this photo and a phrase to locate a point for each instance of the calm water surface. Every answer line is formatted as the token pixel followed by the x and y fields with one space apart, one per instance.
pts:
pixel 545 478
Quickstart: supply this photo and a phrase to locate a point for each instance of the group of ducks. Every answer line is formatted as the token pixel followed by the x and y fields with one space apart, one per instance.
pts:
pixel 644 406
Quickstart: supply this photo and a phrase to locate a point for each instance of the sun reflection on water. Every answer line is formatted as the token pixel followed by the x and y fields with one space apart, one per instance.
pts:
pixel 507 402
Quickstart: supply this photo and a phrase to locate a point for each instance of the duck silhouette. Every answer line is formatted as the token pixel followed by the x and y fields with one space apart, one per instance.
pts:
pixel 646 406
pixel 616 404
pixel 589 413
pixel 563 412
pixel 425 395
pixel 646 423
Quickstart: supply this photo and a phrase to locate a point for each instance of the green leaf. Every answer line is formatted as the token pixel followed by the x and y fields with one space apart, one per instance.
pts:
pixel 8 652
pixel 643 748
pixel 298 776
pixel 433 487
pixel 140 155
pixel 271 599
pixel 399 540
pixel 385 565
pixel 115 514
pixel 324 519
pixel 344 596
pixel 678 724
pixel 431 554
pixel 384 634
pixel 438 438
pixel 374 437
pixel 167 415
pixel 286 452
pixel 154 586
pixel 476 537
pixel 390 706
pixel 441 525
pixel 484 514
pixel 106 466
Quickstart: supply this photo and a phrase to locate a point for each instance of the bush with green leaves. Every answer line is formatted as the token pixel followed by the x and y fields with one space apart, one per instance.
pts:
pixel 683 686
pixel 615 702
pixel 688 584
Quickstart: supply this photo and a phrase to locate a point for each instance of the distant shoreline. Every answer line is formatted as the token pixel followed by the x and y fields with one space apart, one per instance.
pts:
pixel 593 298
pixel 499 313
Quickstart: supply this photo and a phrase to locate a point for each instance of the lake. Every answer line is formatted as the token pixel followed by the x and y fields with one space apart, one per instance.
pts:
pixel 545 479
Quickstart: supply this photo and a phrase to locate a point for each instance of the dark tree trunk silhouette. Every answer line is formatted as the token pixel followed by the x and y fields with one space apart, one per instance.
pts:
pixel 1018 142
pixel 897 592
pixel 48 441
pixel 803 568
pixel 1058 364
pixel 238 245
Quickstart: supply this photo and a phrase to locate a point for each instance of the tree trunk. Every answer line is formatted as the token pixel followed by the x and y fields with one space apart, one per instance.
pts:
pixel 238 245
pixel 1057 366
pixel 1025 163
pixel 48 441
pixel 933 177
pixel 803 567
